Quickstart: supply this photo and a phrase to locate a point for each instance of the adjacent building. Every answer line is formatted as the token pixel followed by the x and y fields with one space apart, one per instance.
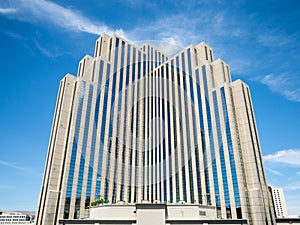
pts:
pixel 279 203
pixel 16 218
pixel 136 125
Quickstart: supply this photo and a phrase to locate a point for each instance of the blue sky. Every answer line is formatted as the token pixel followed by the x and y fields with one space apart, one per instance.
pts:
pixel 41 41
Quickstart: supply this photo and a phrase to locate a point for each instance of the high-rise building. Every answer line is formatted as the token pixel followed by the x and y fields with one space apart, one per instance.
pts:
pixel 136 124
pixel 279 202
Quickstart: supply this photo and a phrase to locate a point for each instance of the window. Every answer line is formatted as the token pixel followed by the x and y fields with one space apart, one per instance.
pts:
pixel 202 213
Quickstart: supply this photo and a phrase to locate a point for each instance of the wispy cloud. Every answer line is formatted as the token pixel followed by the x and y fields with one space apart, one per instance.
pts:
pixel 36 11
pixel 13 35
pixel 51 53
pixel 230 37
pixel 290 156
pixel 293 95
pixel 18 167
pixel 274 171
pixel 4 187
pixel 283 84
pixel 7 10
pixel 292 187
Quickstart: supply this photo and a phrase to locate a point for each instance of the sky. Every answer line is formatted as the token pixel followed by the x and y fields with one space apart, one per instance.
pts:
pixel 41 41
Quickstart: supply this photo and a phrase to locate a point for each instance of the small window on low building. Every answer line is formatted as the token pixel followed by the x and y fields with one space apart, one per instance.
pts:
pixel 202 213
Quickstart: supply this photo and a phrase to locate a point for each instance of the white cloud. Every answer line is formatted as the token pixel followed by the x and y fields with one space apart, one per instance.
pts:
pixel 49 52
pixel 274 171
pixel 7 10
pixel 283 84
pixel 275 39
pixel 273 81
pixel 293 95
pixel 41 10
pixel 4 187
pixel 290 156
pixel 292 201
pixel 174 31
pixel 11 165
pixel 18 167
pixel 292 187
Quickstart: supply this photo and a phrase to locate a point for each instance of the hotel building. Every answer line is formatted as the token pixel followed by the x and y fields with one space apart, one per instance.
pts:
pixel 137 125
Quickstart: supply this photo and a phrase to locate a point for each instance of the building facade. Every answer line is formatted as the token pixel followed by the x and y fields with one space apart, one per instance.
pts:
pixel 136 124
pixel 16 218
pixel 279 203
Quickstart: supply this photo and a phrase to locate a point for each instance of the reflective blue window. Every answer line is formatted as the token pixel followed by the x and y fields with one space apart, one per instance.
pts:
pixel 103 126
pixel 189 73
pixel 84 143
pixel 203 138
pixel 230 148
pixel 133 64
pixel 121 76
pixel 221 152
pixel 144 64
pixel 75 141
pixel 74 150
pixel 211 138
pixel 100 73
pixel 139 65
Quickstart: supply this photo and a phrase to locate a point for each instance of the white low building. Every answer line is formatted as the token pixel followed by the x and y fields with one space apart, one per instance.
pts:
pixel 149 214
pixel 16 218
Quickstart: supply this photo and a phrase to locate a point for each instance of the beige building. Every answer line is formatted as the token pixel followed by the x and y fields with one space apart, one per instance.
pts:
pixel 136 124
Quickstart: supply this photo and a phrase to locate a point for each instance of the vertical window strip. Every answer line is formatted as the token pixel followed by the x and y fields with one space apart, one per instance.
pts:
pixel 211 139
pixel 122 65
pixel 83 67
pixel 125 150
pixel 133 64
pixel 74 148
pixel 97 193
pixel 191 81
pixel 116 168
pixel 203 140
pixel 196 56
pixel 100 49
pixel 228 74
pixel 223 71
pixel 181 132
pixel 113 94
pixel 84 145
pixel 100 76
pixel 109 50
pixel 144 64
pixel 97 47
pixel 103 127
pixel 190 77
pixel 176 152
pixel 212 76
pixel 93 72
pixel 151 59
pixel 137 119
pixel 111 120
pixel 221 152
pixel 185 74
pixel 230 148
pixel 128 64
pixel 206 55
